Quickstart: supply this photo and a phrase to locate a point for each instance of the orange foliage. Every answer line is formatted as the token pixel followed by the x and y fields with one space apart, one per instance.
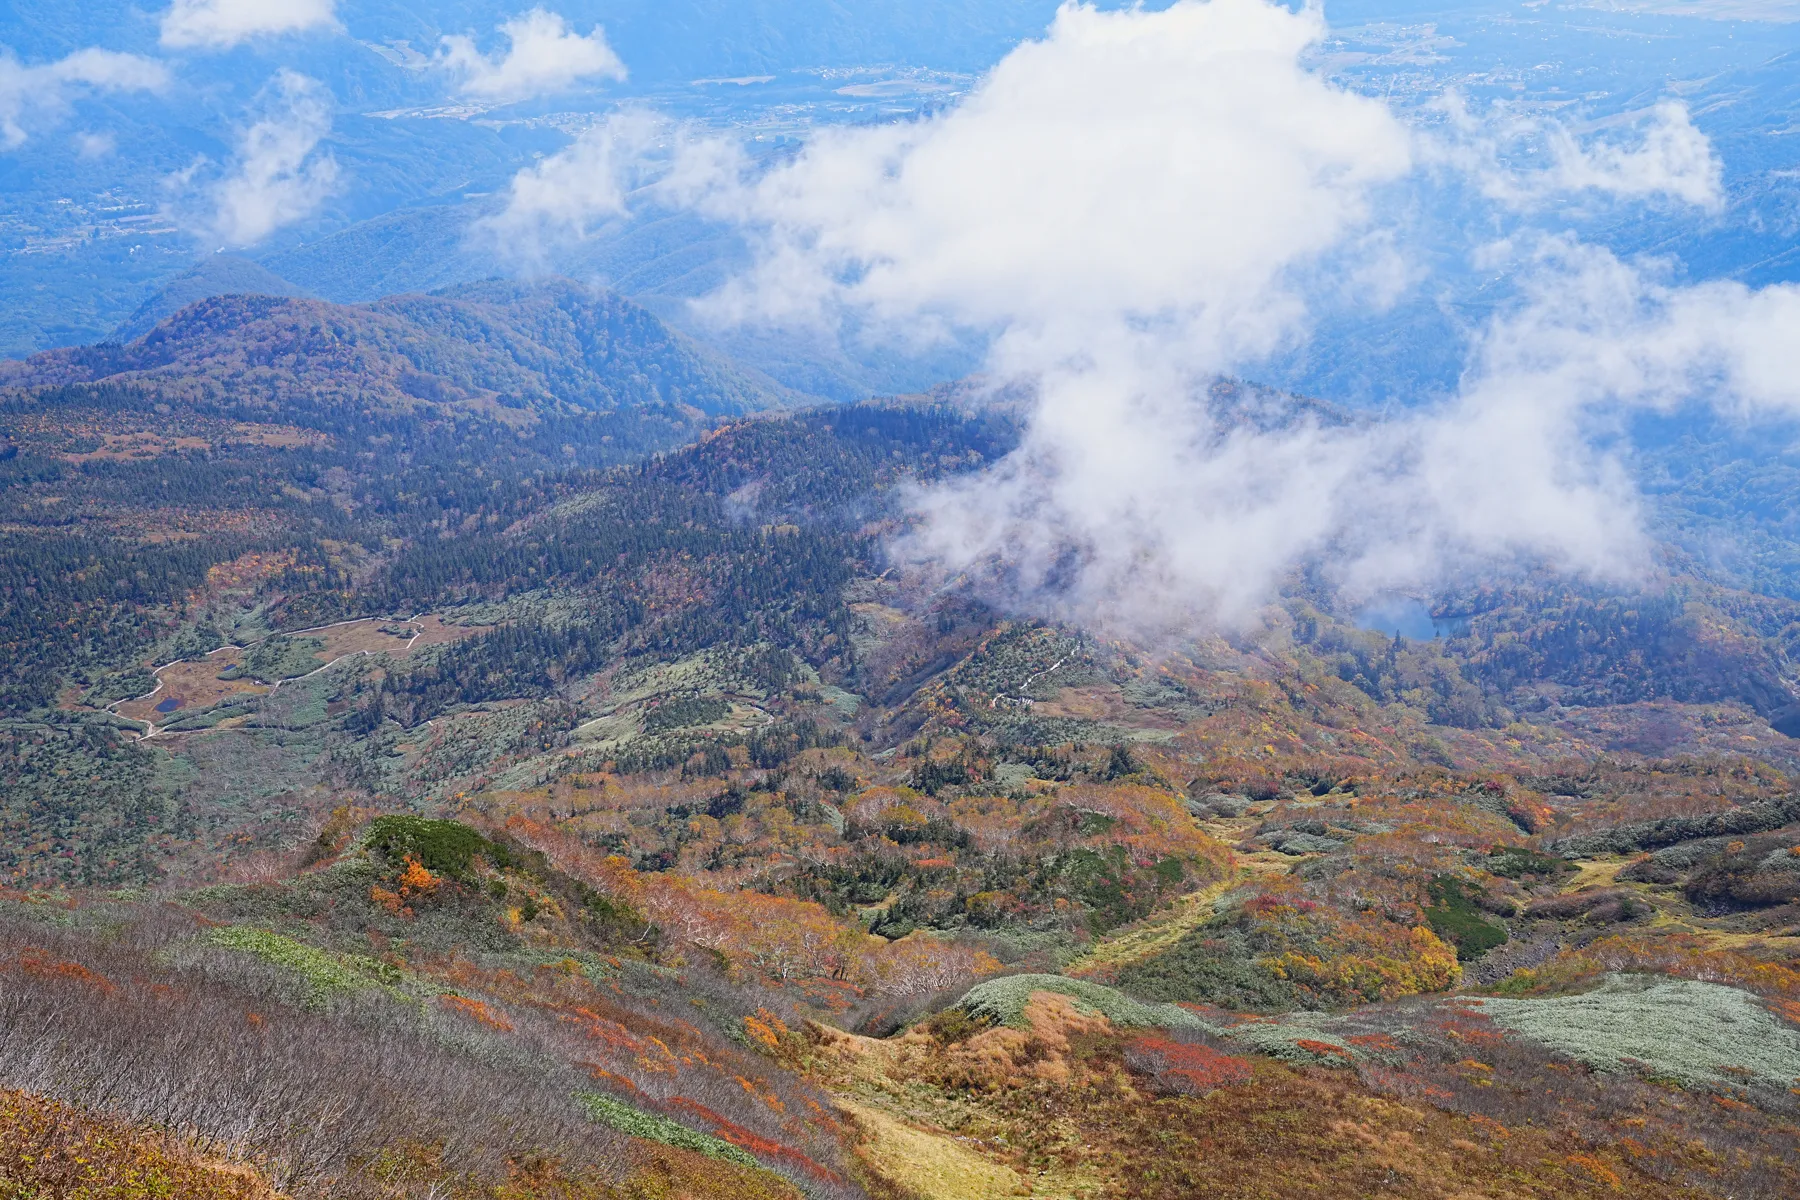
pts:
pixel 1378 1043
pixel 476 1010
pixel 389 900
pixel 416 881
pixel 1186 1068
pixel 765 1029
pixel 780 939
pixel 43 965
pixel 1598 1170
pixel 1337 956
pixel 1152 824
pixel 1370 960
pixel 1322 1049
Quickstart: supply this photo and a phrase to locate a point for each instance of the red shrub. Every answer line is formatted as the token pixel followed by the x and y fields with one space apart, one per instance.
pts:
pixel 1185 1068
pixel 751 1141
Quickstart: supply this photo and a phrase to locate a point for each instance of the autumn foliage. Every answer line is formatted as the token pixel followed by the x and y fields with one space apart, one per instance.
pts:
pixel 51 1149
pixel 1185 1068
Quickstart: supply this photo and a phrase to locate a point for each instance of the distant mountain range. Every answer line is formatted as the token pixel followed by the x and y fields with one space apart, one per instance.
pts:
pixel 484 346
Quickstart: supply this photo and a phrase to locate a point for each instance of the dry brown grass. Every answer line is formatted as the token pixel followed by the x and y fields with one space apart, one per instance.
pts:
pixel 194 685
pixel 929 1164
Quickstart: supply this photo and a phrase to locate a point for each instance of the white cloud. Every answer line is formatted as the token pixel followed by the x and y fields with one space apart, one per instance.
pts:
pixel 222 24
pixel 544 56
pixel 1169 167
pixel 278 175
pixel 561 198
pixel 1142 202
pixel 1129 206
pixel 1143 513
pixel 95 145
pixel 30 94
pixel 1662 154
pixel 1509 465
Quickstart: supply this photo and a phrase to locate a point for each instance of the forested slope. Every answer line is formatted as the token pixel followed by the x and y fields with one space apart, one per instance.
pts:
pixel 578 766
pixel 473 348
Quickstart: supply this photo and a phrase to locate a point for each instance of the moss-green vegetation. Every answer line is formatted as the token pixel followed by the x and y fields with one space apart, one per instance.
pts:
pixel 1516 862
pixel 278 658
pixel 443 847
pixel 324 974
pixel 1456 917
pixel 1217 964
pixel 635 1122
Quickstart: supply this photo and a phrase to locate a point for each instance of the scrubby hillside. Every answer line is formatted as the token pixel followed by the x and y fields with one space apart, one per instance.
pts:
pixel 586 783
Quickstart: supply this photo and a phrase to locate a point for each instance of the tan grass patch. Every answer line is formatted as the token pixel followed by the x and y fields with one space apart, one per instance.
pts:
pixel 434 632
pixel 1157 932
pixel 364 637
pixel 194 685
pixel 932 1166
pixel 1596 873
pixel 136 446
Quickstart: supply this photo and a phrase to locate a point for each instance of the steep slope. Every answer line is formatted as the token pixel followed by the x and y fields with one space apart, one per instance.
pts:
pixel 478 348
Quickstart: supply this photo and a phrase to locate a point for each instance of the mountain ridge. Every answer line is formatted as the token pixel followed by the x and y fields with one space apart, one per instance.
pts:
pixel 482 347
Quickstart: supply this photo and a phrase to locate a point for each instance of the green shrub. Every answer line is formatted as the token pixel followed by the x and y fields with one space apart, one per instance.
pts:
pixel 635 1122
pixel 1217 964
pixel 1455 917
pixel 444 847
pixel 955 1025
pixel 683 712
pixel 1516 862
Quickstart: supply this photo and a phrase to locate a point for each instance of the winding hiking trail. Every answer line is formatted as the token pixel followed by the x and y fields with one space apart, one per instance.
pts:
pixel 1022 698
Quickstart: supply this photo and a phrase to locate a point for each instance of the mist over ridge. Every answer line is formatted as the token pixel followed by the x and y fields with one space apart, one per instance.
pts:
pixel 1142 202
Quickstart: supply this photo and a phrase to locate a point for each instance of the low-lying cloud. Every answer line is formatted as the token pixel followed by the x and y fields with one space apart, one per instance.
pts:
pixel 222 24
pixel 279 175
pixel 564 197
pixel 544 56
pixel 1656 154
pixel 40 93
pixel 1142 203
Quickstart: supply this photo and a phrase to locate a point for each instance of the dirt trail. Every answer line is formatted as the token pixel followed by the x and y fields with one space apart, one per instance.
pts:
pixel 1025 687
